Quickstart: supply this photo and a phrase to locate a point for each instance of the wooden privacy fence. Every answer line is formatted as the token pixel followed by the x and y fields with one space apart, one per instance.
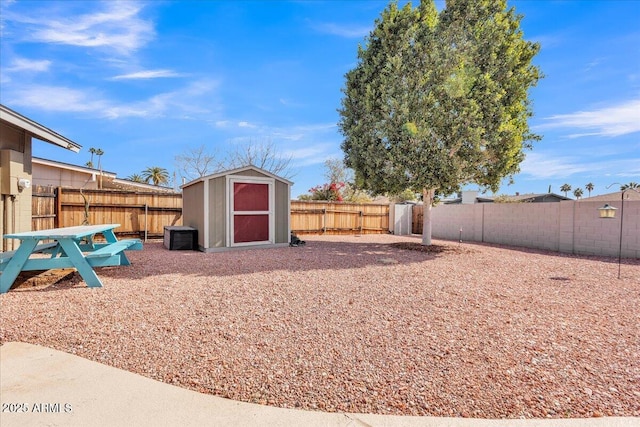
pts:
pixel 145 214
pixel 318 217
pixel 138 213
pixel 43 207
pixel 417 217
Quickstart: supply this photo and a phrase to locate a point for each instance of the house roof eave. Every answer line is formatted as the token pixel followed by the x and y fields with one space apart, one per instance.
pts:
pixel 37 130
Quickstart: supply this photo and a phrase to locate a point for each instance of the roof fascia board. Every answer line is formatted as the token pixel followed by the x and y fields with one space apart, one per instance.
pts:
pixel 37 130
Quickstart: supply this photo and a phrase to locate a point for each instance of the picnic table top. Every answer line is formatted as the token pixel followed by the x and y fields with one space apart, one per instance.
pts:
pixel 76 232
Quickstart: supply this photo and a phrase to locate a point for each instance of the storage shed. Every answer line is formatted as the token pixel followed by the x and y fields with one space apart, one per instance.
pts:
pixel 240 208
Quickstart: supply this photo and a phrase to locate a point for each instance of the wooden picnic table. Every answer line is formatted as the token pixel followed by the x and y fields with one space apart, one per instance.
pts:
pixel 68 247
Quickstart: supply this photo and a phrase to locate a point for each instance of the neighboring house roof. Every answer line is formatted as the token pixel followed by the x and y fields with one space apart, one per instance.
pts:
pixel 458 200
pixel 74 168
pixel 613 197
pixel 110 179
pixel 237 171
pixel 125 184
pixel 36 129
pixel 534 198
pixel 517 198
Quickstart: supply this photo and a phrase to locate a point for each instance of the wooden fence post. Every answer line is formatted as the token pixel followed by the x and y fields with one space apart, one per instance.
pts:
pixel 324 220
pixel 58 210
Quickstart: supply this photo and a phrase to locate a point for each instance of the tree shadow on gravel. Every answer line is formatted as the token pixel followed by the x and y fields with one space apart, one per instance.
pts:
pixel 331 254
pixel 315 255
pixel 156 260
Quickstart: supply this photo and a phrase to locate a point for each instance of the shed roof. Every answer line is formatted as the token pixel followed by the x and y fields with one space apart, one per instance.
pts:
pixel 37 130
pixel 236 171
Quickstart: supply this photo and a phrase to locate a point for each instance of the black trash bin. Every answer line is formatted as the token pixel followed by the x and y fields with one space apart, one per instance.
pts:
pixel 180 238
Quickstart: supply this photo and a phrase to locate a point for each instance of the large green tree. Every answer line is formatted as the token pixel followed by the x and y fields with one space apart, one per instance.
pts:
pixel 439 100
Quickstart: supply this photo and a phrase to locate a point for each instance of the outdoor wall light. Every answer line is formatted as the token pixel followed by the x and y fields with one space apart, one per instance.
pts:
pixel 610 212
pixel 607 211
pixel 23 183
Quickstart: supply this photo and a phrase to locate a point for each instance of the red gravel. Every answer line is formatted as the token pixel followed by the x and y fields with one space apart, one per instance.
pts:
pixel 355 324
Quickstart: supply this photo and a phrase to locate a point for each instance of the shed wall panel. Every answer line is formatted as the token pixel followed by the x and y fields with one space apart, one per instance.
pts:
pixel 217 212
pixel 193 209
pixel 282 213
pixel 250 172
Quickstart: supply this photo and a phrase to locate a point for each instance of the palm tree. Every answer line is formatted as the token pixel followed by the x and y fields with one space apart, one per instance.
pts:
pixel 98 153
pixel 155 174
pixel 589 188
pixel 565 188
pixel 631 185
pixel 90 162
pixel 578 192
pixel 136 178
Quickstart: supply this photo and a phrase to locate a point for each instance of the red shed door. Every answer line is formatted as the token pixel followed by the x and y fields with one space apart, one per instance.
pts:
pixel 251 213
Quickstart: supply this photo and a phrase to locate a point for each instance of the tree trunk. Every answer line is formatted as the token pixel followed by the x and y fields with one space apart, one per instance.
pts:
pixel 427 199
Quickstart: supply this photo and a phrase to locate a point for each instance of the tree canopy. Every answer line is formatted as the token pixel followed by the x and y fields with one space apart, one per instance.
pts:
pixel 439 99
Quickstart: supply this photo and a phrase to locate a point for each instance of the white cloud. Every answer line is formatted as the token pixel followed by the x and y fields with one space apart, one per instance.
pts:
pixel 290 103
pixel 311 154
pixel 56 98
pixel 305 145
pixel 549 166
pixel 545 166
pixel 612 121
pixel 300 132
pixel 53 98
pixel 174 103
pixel 347 31
pixel 246 125
pixel 147 74
pixel 117 27
pixel 23 64
pixel 306 152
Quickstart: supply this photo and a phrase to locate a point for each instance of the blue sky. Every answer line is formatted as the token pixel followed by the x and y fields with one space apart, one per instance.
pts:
pixel 146 81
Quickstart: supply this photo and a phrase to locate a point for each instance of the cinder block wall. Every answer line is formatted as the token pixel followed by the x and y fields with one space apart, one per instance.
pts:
pixel 568 226
pixel 447 220
pixel 532 225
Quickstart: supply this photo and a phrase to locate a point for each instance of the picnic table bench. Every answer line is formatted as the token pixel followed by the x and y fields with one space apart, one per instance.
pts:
pixel 68 247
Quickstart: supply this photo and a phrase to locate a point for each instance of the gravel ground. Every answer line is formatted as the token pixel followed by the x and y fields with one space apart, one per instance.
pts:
pixel 359 324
